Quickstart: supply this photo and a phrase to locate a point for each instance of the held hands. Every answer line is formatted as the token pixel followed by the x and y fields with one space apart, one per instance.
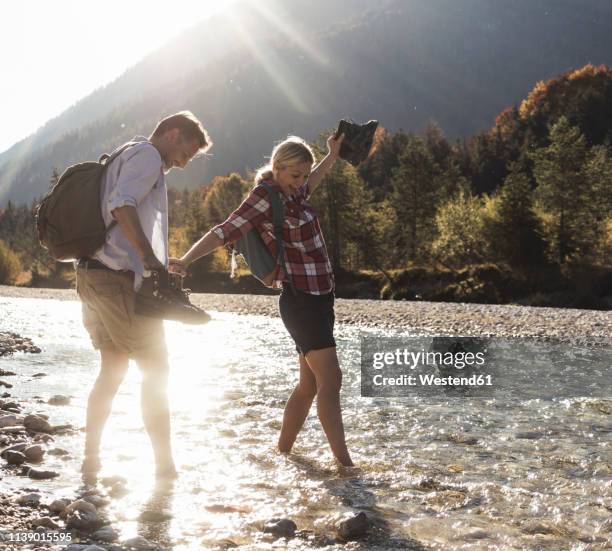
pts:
pixel 333 145
pixel 151 262
pixel 178 266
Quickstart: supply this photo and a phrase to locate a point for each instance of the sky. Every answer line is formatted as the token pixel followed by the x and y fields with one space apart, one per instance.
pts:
pixel 53 53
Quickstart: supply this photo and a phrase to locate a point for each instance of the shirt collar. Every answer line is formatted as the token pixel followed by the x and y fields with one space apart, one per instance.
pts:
pixel 277 188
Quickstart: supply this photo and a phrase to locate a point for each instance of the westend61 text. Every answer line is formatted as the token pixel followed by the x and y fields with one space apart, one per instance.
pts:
pixel 432 380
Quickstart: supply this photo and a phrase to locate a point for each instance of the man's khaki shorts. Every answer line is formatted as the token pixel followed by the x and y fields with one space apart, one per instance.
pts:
pixel 108 314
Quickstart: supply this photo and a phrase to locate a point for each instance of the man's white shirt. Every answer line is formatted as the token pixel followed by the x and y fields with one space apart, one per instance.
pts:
pixel 135 178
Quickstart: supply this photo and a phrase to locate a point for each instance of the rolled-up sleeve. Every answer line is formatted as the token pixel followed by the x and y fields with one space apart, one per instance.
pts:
pixel 137 176
pixel 254 210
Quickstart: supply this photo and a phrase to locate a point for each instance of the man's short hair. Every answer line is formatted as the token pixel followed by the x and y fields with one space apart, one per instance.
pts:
pixel 189 126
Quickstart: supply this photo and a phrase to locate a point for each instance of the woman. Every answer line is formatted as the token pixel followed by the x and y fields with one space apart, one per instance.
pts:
pixel 307 310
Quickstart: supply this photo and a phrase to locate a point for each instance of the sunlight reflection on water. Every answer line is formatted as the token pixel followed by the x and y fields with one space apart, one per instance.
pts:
pixel 456 473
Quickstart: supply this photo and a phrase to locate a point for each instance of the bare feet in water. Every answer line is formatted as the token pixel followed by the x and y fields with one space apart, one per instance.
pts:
pixel 90 468
pixel 166 472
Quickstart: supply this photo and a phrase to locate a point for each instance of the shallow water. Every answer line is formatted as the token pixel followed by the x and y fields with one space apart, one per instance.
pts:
pixel 444 473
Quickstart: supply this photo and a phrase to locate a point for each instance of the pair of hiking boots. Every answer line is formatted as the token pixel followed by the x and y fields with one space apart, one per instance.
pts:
pixel 162 296
pixel 358 139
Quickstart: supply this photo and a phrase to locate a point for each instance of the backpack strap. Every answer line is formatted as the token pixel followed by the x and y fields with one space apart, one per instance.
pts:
pixel 106 159
pixel 278 218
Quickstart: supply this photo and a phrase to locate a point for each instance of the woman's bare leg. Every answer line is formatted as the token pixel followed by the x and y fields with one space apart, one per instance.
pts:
pixel 324 365
pixel 297 407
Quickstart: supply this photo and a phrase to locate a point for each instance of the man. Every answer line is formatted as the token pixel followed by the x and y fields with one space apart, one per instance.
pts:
pixel 134 194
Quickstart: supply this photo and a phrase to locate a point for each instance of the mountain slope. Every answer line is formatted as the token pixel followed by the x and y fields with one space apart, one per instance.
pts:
pixel 403 62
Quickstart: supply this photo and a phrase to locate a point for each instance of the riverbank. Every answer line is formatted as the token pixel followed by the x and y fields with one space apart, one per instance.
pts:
pixel 588 327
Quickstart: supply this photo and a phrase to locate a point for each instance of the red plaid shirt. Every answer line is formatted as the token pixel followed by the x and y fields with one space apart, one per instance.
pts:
pixel 306 256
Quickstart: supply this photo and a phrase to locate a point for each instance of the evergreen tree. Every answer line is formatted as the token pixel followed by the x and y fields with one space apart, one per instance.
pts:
pixel 599 177
pixel 563 189
pixel 415 196
pixel 515 231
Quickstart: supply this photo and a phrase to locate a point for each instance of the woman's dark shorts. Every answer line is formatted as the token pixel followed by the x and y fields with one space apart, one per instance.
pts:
pixel 308 318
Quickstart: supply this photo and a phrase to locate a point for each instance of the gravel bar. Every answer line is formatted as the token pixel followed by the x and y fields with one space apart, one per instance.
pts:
pixel 589 327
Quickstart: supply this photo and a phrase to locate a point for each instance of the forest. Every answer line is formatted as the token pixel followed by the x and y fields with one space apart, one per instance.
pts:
pixel 520 213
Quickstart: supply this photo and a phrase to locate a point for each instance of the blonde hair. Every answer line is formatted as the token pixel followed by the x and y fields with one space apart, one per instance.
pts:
pixel 292 151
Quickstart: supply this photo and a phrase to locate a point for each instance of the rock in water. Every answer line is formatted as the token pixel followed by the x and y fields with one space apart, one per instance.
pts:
pixel 354 527
pixel 58 506
pixel 34 453
pixel 86 521
pixel 139 544
pixel 106 534
pixel 14 458
pixel 45 522
pixel 36 474
pixel 96 501
pixel 19 447
pixel 78 505
pixel 37 423
pixel 58 452
pixel 29 500
pixel 59 400
pixel 112 480
pixel 281 527
pixel 10 421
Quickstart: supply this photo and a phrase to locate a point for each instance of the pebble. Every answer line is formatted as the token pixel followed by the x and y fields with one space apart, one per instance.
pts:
pixel 37 474
pixel 96 501
pixel 78 505
pixel 106 534
pixel 45 522
pixel 14 458
pixel 354 527
pixel 529 435
pixel 112 480
pixel 58 506
pixel 29 500
pixel 19 447
pixel 58 452
pixel 59 400
pixel 139 544
pixel 10 421
pixel 34 453
pixel 280 527
pixel 37 423
pixel 86 521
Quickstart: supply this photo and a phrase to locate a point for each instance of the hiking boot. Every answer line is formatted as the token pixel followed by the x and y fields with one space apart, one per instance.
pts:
pixel 358 139
pixel 164 297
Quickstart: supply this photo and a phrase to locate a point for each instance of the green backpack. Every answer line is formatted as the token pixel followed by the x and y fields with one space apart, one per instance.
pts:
pixel 69 218
pixel 253 249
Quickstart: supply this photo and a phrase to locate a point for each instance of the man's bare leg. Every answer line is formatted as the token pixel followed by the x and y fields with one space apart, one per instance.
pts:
pixel 156 412
pixel 113 367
